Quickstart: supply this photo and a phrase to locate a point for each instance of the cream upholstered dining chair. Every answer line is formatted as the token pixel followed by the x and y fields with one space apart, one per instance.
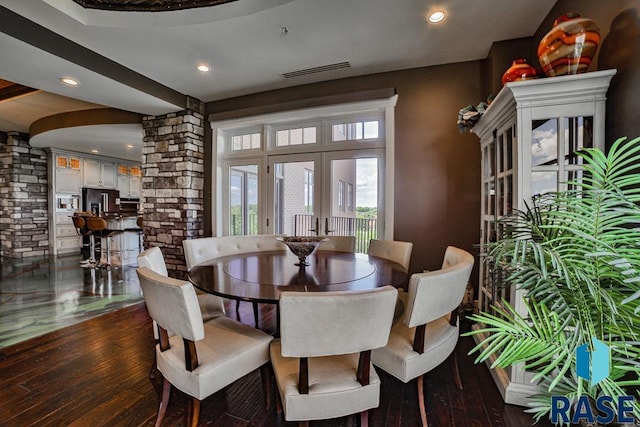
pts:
pixel 429 330
pixel 393 250
pixel 322 360
pixel 201 358
pixel 210 305
pixel 338 244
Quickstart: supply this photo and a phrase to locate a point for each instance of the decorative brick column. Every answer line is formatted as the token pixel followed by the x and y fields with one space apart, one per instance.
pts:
pixel 173 182
pixel 24 226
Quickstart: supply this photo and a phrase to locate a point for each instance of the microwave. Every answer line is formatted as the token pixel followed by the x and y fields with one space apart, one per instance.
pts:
pixel 129 206
pixel 65 202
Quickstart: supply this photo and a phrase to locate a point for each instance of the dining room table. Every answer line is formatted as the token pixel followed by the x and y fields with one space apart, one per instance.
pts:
pixel 260 277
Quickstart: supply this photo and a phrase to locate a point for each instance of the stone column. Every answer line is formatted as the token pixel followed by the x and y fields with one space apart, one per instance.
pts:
pixel 24 226
pixel 173 182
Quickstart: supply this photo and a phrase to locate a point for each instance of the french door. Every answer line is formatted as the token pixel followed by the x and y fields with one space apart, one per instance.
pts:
pixel 330 193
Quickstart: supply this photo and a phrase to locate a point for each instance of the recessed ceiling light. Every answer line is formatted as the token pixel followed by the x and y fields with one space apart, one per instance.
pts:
pixel 129 145
pixel 203 68
pixel 436 17
pixel 69 81
pixel 94 151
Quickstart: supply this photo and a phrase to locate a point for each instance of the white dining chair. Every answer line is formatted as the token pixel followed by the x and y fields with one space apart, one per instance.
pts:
pixel 322 360
pixel 429 330
pixel 200 358
pixel 338 244
pixel 393 250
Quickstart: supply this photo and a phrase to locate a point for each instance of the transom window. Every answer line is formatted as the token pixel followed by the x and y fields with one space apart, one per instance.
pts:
pixel 296 136
pixel 355 131
pixel 246 141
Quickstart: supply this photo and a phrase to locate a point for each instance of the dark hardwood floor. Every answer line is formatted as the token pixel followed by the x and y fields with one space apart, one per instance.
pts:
pixel 96 373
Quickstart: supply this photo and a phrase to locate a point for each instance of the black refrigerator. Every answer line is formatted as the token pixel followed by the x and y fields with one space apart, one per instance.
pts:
pixel 100 201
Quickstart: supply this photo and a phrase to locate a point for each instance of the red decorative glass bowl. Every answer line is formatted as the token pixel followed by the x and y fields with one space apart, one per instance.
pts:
pixel 519 70
pixel 570 45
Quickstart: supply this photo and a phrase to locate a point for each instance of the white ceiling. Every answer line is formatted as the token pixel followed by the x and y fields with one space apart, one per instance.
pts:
pixel 244 43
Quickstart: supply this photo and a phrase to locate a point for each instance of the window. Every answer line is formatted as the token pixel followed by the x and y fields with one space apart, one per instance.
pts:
pixel 296 136
pixel 355 131
pixel 308 191
pixel 313 140
pixel 248 141
pixel 243 200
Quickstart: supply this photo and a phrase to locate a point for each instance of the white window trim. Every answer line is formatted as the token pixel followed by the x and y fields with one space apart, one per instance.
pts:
pixel 305 115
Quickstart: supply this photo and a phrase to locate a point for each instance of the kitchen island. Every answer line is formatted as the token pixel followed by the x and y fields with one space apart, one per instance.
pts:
pixel 125 246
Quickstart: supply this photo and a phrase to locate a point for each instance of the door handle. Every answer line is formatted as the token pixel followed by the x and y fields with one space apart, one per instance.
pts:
pixel 326 226
pixel 317 229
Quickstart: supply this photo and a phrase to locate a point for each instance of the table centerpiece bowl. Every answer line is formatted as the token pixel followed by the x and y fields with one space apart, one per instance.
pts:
pixel 302 246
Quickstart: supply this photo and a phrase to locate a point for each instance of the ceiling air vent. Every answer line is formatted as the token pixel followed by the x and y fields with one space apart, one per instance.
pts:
pixel 314 70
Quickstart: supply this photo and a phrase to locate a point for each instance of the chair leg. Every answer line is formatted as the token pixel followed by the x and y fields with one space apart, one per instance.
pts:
pixel 364 418
pixel 194 412
pixel 265 375
pixel 238 308
pixel 154 365
pixel 166 392
pixel 423 411
pixel 453 359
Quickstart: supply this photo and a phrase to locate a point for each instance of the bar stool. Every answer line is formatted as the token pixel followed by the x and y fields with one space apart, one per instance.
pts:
pixel 81 228
pixel 98 227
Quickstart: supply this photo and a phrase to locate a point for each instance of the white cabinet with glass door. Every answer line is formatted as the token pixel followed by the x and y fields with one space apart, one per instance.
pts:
pixel 528 138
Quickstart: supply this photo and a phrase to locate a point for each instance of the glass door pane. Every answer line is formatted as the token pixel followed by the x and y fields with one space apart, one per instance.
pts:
pixel 243 200
pixel 353 197
pixel 294 194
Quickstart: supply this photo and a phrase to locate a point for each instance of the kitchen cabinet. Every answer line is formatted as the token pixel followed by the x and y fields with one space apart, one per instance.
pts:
pixel 67 174
pixel 67 239
pixel 129 179
pixel 528 138
pixel 99 173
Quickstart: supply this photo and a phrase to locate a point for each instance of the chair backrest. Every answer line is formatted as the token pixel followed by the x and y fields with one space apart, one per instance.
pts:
pixel 393 250
pixel 152 259
pixel 338 244
pixel 78 222
pixel 199 251
pixel 436 293
pixel 172 304
pixel 316 324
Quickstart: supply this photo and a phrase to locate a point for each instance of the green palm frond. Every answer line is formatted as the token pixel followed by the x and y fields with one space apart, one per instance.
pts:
pixel 576 254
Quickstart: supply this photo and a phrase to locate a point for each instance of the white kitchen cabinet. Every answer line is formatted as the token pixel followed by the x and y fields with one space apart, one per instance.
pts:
pixel 528 137
pixel 129 182
pixel 99 173
pixel 67 174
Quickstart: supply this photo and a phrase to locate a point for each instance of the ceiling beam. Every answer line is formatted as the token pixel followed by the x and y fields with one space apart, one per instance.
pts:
pixel 36 35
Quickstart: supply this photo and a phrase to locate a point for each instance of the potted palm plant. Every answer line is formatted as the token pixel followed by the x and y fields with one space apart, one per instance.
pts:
pixel 576 254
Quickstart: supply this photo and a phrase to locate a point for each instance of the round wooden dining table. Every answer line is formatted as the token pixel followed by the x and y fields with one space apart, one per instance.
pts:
pixel 260 277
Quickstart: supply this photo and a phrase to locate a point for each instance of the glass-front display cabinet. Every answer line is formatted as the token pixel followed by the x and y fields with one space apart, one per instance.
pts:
pixel 528 138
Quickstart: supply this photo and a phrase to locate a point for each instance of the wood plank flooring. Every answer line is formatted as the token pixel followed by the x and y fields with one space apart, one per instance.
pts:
pixel 96 373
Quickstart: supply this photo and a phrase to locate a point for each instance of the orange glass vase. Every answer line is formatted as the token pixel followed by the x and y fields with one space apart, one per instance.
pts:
pixel 570 45
pixel 519 70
